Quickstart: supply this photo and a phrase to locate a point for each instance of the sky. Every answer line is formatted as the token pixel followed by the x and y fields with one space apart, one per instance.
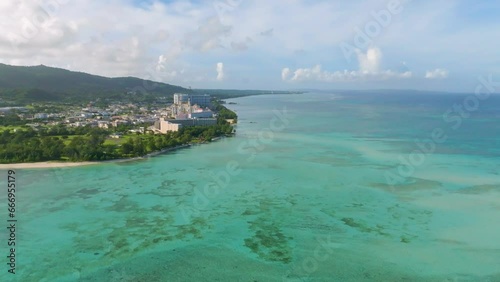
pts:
pixel 442 45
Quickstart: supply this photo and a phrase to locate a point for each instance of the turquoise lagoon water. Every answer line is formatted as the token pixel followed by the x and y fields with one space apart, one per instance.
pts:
pixel 312 193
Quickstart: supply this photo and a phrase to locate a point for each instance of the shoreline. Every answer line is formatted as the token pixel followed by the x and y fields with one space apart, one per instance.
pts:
pixel 60 164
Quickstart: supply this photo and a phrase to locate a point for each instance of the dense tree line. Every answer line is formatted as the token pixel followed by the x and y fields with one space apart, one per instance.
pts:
pixel 35 146
pixel 26 146
pixel 44 145
pixel 223 112
pixel 11 119
pixel 61 129
pixel 145 144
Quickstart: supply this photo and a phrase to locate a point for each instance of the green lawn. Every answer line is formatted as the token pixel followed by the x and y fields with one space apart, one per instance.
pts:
pixel 108 141
pixel 118 141
pixel 66 141
pixel 114 141
pixel 11 127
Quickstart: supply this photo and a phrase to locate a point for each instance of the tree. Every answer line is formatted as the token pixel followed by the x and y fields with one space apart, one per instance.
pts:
pixel 127 147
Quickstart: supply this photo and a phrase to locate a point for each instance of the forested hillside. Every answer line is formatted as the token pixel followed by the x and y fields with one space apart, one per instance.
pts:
pixel 42 83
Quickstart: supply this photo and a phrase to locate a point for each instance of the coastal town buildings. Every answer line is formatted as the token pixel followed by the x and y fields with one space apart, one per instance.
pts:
pixel 186 110
pixel 165 125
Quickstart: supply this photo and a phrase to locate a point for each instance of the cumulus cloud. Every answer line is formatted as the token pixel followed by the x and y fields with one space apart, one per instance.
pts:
pixel 220 71
pixel 437 74
pixel 169 57
pixel 84 36
pixel 56 34
pixel 241 45
pixel 165 69
pixel 285 73
pixel 317 74
pixel 369 62
pixel 369 69
pixel 27 26
pixel 208 36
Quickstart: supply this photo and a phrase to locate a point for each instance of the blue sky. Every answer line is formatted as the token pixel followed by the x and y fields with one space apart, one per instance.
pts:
pixel 400 44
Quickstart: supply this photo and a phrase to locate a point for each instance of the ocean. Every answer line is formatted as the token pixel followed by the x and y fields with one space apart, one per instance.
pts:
pixel 321 186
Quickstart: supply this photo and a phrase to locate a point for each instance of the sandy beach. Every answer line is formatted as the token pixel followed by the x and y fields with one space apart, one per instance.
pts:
pixel 44 165
pixel 56 164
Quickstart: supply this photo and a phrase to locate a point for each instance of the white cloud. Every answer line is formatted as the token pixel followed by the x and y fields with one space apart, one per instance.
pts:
pixel 189 36
pixel 241 45
pixel 369 65
pixel 208 36
pixel 369 62
pixel 285 73
pixel 164 70
pixel 437 74
pixel 220 71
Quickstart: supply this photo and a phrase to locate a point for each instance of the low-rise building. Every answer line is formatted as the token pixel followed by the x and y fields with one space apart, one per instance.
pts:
pixel 86 115
pixel 41 116
pixel 104 124
pixel 166 125
pixel 201 114
pixel 118 122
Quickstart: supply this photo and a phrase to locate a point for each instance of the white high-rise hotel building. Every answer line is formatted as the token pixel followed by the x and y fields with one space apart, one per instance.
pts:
pixel 180 98
pixel 200 100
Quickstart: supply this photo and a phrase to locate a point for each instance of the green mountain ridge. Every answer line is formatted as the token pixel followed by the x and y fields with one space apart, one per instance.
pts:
pixel 42 83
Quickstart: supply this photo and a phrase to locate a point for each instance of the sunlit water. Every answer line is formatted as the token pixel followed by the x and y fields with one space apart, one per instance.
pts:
pixel 316 192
